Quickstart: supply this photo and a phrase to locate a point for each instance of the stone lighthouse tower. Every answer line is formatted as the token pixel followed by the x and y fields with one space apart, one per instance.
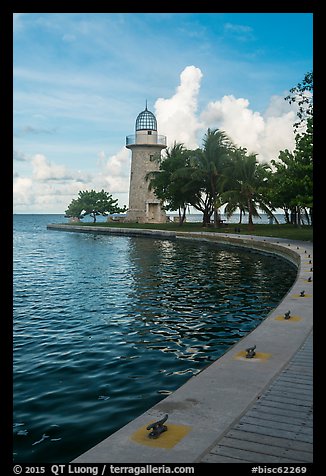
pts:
pixel 144 206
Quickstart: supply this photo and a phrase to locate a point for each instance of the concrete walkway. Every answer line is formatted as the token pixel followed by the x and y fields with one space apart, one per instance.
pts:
pixel 278 426
pixel 232 409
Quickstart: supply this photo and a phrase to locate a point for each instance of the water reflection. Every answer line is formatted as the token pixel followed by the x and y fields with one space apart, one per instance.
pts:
pixel 182 296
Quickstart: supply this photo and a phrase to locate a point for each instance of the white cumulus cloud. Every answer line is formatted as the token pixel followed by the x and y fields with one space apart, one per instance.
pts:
pixel 176 116
pixel 47 186
pixel 23 191
pixel 234 116
pixel 114 171
pixel 264 135
pixel 45 170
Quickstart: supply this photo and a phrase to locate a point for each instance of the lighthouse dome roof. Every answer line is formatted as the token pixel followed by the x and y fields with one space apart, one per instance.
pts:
pixel 146 121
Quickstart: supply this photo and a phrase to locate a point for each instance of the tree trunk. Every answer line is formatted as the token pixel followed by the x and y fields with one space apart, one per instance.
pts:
pixel 182 216
pixel 286 214
pixel 206 217
pixel 216 220
pixel 179 211
pixel 307 216
pixel 298 215
pixel 250 222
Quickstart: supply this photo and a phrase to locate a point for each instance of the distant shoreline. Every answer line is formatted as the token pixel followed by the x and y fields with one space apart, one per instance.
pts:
pixel 192 217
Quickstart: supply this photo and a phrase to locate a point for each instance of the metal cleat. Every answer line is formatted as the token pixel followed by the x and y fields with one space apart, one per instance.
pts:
pixel 287 315
pixel 157 428
pixel 251 352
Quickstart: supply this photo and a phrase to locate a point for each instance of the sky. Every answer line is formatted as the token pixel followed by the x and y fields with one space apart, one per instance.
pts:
pixel 81 79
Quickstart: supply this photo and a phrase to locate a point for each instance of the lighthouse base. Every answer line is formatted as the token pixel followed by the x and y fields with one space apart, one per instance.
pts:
pixel 153 213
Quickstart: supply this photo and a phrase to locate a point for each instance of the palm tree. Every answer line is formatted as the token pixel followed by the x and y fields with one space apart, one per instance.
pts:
pixel 232 195
pixel 208 165
pixel 247 186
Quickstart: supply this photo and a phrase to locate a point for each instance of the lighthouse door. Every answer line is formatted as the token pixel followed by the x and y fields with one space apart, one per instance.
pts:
pixel 152 211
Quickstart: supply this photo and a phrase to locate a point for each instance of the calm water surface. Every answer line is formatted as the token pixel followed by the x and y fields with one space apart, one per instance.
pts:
pixel 106 326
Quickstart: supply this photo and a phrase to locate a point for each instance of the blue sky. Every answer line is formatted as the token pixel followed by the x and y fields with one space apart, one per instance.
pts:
pixel 80 80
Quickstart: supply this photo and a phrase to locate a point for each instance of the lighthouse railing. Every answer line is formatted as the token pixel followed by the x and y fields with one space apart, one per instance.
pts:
pixel 159 139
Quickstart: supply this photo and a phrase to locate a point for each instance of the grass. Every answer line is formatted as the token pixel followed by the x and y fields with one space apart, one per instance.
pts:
pixel 291 232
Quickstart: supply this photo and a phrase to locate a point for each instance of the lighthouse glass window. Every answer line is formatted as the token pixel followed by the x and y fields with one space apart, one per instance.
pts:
pixel 146 121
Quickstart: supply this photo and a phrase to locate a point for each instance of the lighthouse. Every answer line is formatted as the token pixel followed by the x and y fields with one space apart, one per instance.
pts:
pixel 144 206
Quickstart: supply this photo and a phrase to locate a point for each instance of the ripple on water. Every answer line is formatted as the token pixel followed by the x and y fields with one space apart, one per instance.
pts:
pixel 105 328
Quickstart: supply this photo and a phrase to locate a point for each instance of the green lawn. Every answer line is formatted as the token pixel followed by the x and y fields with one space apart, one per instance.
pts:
pixel 303 233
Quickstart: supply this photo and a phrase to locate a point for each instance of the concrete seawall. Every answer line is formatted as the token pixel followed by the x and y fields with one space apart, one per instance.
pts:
pixel 207 405
pixel 113 231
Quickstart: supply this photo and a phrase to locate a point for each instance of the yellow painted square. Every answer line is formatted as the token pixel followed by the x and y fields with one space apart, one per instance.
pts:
pixel 302 297
pixel 167 440
pixel 261 356
pixel 292 318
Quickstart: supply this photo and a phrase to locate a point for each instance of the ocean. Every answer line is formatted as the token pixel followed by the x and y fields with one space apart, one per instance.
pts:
pixel 107 326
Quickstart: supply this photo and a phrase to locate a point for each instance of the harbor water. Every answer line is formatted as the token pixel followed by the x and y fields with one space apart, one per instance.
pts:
pixel 106 326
